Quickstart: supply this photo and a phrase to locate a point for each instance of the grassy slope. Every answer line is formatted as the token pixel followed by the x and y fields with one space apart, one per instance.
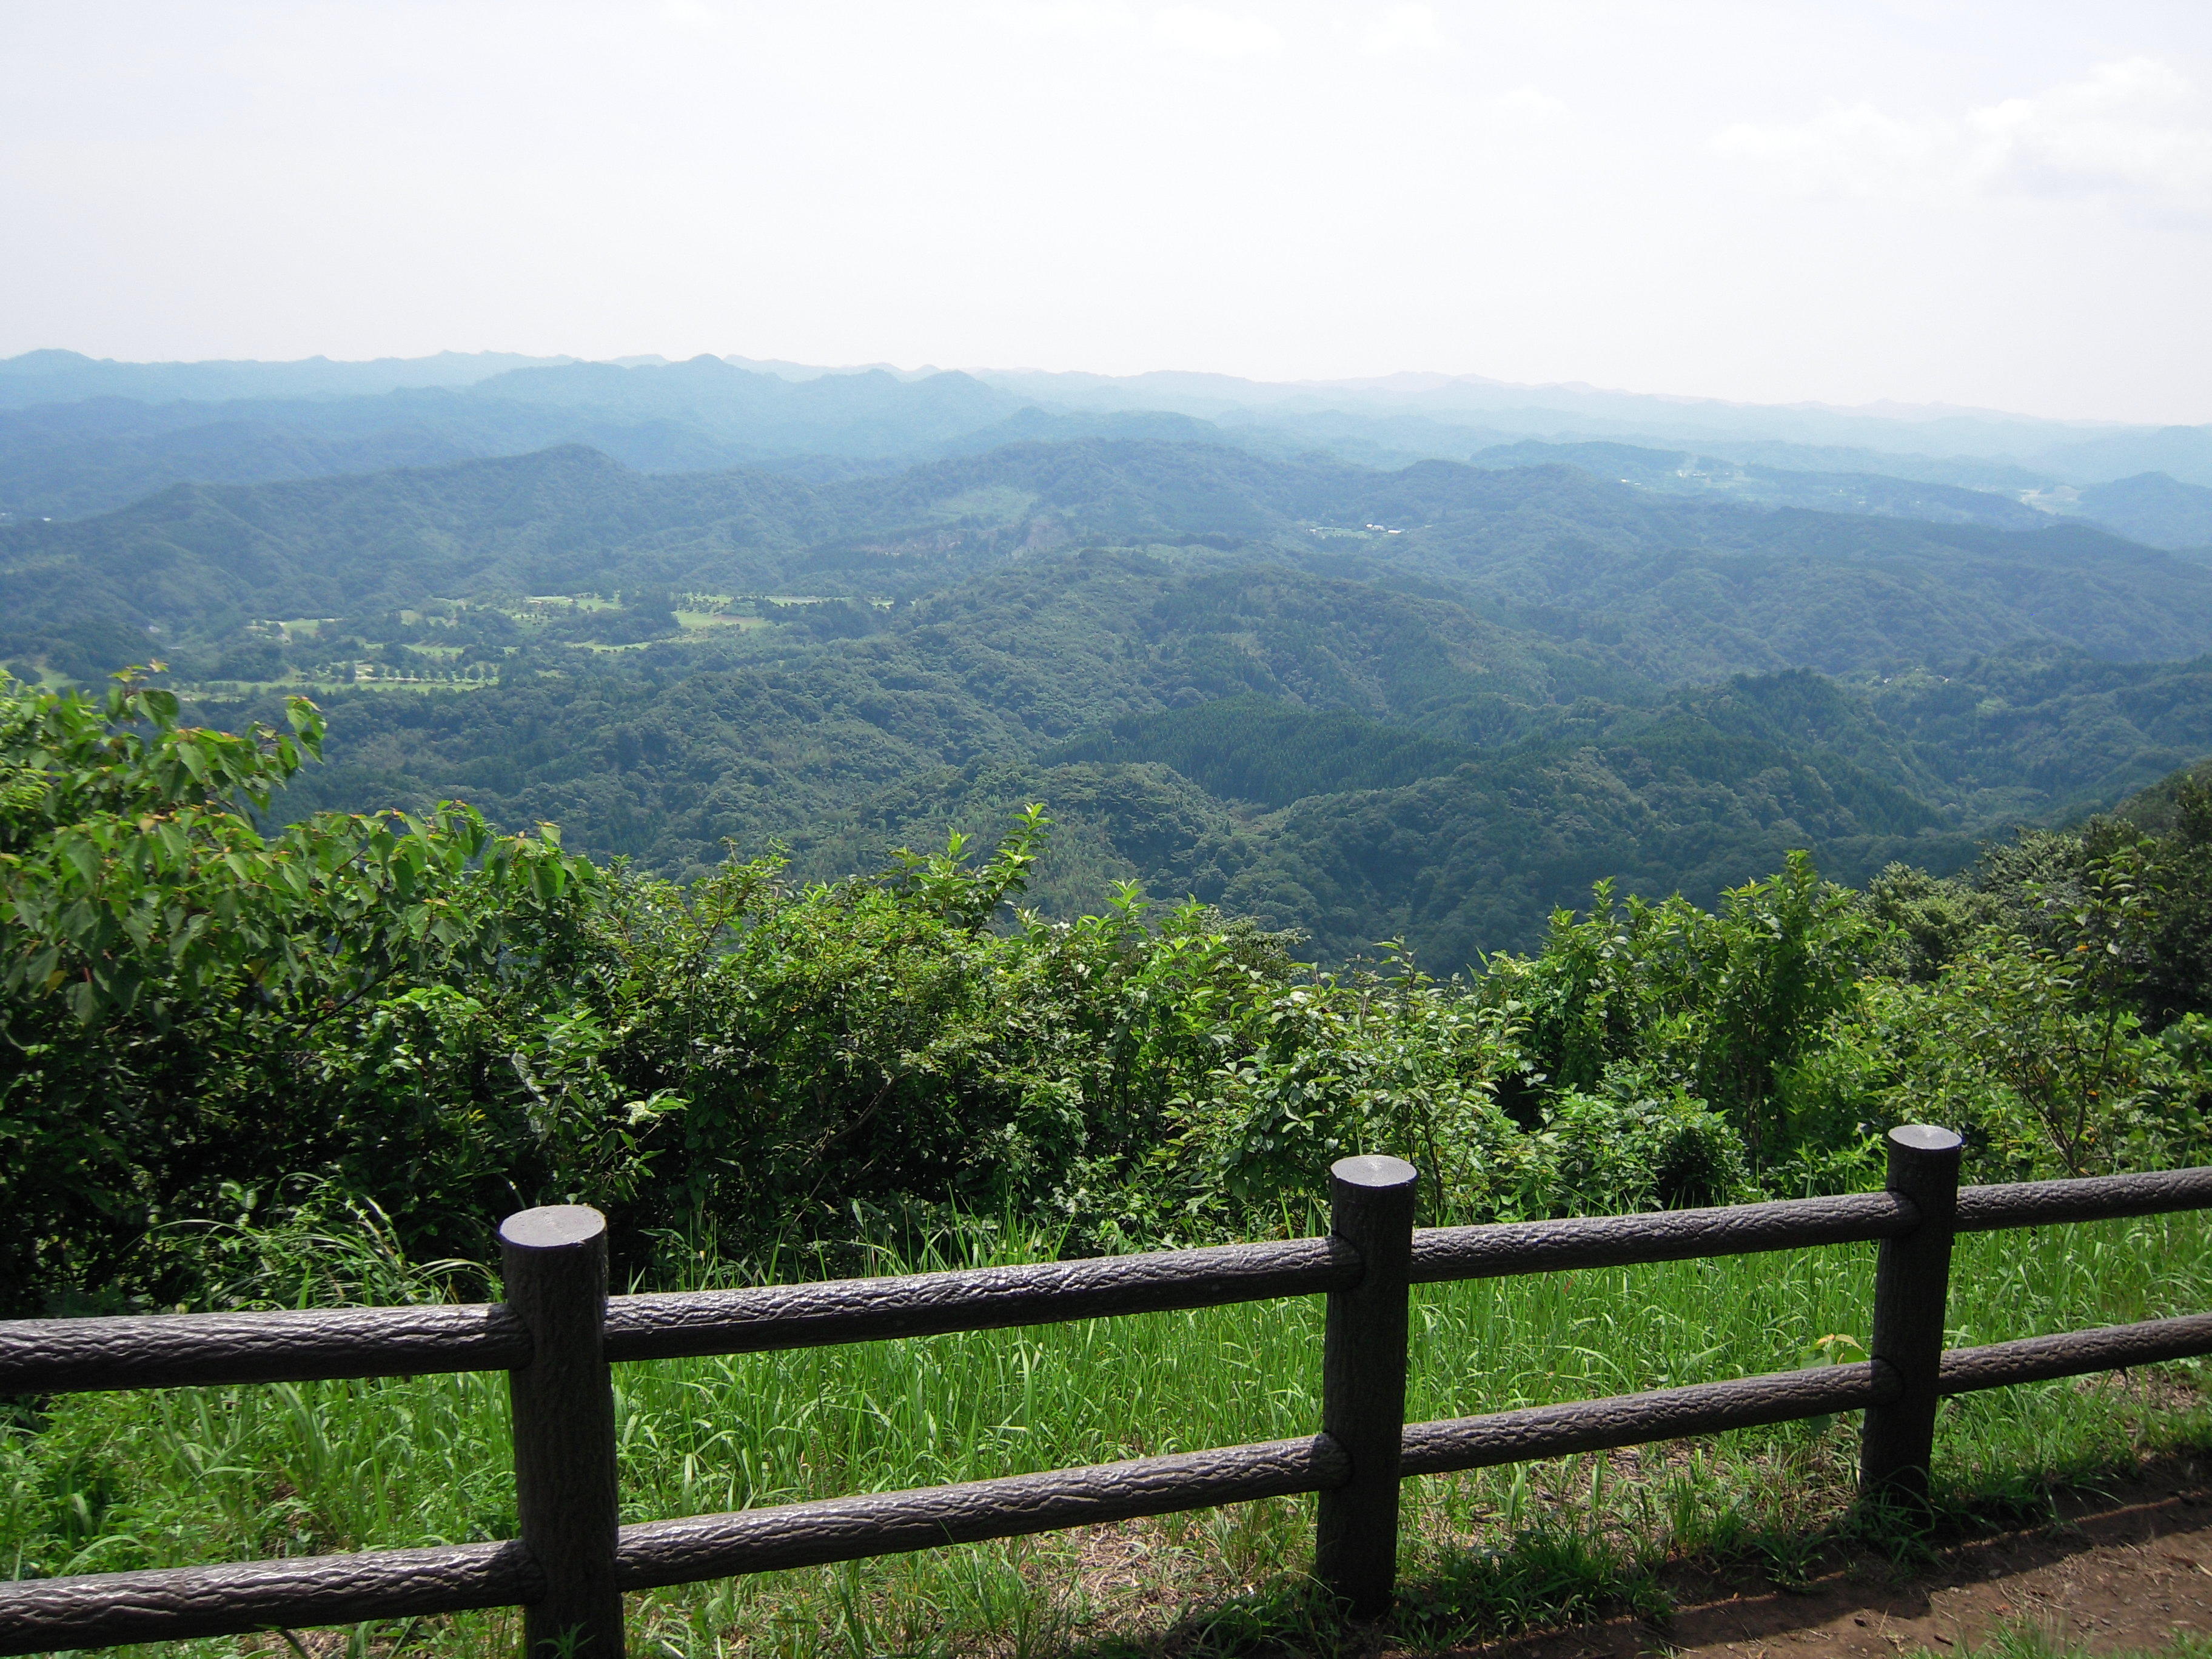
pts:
pixel 117 1481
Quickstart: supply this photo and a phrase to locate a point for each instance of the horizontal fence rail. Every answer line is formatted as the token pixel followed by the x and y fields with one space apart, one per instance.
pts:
pixel 1441 1253
pixel 162 1351
pixel 2093 1198
pixel 311 1345
pixel 558 1367
pixel 892 1523
pixel 756 1320
pixel 1632 1419
pixel 2077 1353
pixel 54 1356
pixel 176 1604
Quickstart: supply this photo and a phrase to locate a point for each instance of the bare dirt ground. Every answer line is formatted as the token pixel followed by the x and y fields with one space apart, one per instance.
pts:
pixel 2126 1568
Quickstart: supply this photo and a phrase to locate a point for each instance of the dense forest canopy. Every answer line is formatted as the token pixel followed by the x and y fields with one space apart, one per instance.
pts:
pixel 207 1022
pixel 1546 547
pixel 1431 704
pixel 1600 827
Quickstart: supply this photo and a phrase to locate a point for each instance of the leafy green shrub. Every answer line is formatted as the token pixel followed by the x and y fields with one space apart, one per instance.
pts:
pixel 186 1003
pixel 1360 1063
pixel 1630 1149
pixel 204 1025
pixel 1717 1005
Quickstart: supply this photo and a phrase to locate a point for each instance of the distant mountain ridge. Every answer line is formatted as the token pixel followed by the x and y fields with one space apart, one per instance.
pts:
pixel 80 437
pixel 2151 508
pixel 2063 448
pixel 52 377
pixel 1662 588
pixel 1677 472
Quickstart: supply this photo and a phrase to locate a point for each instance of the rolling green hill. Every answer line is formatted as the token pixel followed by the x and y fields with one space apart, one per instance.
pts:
pixel 1433 702
pixel 1319 754
pixel 1683 473
pixel 1256 750
pixel 1670 590
pixel 2152 508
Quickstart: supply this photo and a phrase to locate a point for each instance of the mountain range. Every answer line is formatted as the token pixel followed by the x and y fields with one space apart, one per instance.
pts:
pixel 1362 692
pixel 80 437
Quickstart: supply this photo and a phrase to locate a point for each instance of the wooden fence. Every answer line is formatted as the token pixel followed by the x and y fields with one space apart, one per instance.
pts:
pixel 558 1333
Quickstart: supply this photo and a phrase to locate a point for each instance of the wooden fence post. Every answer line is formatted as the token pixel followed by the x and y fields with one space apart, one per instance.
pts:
pixel 1363 1381
pixel 555 1260
pixel 1911 1283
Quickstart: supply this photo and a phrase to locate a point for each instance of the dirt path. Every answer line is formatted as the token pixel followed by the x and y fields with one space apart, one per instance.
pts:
pixel 2125 1570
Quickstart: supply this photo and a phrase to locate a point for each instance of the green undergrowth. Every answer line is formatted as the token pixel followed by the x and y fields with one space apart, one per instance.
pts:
pixel 106 1482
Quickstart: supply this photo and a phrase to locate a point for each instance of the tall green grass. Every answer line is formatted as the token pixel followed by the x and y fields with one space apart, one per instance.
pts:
pixel 106 1482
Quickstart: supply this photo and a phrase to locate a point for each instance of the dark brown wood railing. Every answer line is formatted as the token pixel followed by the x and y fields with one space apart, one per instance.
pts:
pixel 558 1334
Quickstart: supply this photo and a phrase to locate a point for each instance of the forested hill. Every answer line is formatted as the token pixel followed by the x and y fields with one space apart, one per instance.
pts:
pixel 2149 508
pixel 1430 703
pixel 1670 589
pixel 1318 753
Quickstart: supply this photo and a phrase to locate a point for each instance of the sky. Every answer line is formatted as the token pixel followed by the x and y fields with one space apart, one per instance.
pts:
pixel 2003 206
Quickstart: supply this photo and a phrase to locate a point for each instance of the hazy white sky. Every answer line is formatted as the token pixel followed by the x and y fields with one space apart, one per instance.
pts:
pixel 2008 205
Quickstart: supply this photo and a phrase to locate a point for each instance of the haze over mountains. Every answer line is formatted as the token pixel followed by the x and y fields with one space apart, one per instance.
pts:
pixel 1418 658
pixel 80 437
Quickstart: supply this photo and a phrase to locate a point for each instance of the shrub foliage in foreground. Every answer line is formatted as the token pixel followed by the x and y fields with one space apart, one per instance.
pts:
pixel 205 1023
